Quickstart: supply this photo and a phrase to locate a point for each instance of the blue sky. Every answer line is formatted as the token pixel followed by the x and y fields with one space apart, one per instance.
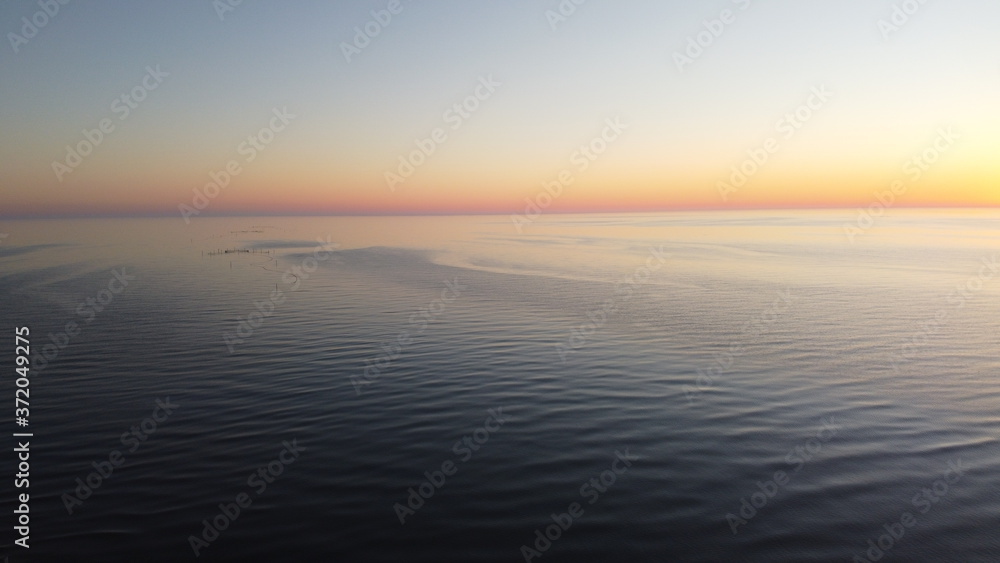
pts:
pixel 557 86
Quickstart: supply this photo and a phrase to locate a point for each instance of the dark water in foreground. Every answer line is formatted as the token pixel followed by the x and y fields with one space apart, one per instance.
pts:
pixel 719 372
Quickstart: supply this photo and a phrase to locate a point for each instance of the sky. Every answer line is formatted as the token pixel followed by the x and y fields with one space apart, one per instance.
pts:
pixel 406 107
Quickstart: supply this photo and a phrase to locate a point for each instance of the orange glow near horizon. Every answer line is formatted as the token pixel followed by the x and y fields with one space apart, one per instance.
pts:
pixel 286 184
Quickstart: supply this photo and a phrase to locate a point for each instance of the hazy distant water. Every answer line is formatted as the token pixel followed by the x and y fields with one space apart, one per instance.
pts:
pixel 588 332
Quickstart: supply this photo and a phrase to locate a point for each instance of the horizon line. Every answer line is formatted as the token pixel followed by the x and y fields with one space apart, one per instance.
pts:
pixel 466 213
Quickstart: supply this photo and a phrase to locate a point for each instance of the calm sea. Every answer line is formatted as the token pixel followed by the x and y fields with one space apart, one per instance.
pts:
pixel 758 387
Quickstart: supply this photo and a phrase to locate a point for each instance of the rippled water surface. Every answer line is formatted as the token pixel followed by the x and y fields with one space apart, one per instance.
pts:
pixel 674 387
